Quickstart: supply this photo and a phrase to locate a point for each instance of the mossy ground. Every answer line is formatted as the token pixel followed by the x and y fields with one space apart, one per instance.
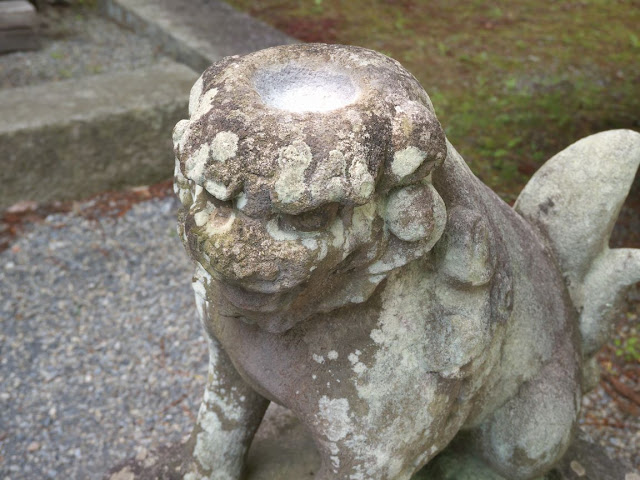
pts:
pixel 512 82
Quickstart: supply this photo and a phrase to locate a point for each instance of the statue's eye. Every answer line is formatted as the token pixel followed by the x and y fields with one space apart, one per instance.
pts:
pixel 311 221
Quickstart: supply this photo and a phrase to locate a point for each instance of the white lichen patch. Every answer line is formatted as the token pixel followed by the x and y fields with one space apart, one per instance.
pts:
pixel 218 449
pixel 224 146
pixel 203 104
pixel 178 131
pixel 200 294
pixel 337 231
pixel 181 185
pixel 202 217
pixel 362 221
pixel 194 95
pixel 391 399
pixel 195 164
pixel 230 410
pixel 241 201
pixel 359 368
pixel 220 225
pixel 279 235
pixel 217 189
pixel 310 243
pixel 318 358
pixel 407 161
pixel 323 250
pixel 293 160
pixel 332 355
pixel 333 417
pixel 362 182
pixel 201 280
pixel 388 263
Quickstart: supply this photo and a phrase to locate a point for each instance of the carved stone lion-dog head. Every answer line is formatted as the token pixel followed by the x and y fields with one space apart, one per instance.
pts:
pixel 305 179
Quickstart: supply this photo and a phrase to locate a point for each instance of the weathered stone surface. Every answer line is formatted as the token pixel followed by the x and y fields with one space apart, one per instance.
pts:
pixel 560 201
pixel 351 268
pixel 196 33
pixel 283 450
pixel 18 39
pixel 68 140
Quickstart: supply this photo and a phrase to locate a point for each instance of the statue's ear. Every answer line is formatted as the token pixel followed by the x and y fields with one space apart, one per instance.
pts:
pixel 415 217
pixel 416 214
pixel 417 145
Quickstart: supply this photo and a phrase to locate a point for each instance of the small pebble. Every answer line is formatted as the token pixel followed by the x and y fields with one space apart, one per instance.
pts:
pixel 578 468
pixel 33 446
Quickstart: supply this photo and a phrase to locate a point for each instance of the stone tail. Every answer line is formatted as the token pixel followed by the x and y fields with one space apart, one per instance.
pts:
pixel 574 200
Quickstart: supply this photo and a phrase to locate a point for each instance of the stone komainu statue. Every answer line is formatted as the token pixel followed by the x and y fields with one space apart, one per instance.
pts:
pixel 350 267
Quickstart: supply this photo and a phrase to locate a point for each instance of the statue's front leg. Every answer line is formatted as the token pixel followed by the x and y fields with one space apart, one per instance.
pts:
pixel 228 418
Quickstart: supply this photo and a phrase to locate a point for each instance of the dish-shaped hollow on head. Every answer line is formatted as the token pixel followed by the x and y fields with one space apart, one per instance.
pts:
pixel 297 88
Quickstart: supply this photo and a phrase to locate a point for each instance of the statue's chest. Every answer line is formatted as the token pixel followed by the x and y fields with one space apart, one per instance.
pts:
pixel 322 356
pixel 392 345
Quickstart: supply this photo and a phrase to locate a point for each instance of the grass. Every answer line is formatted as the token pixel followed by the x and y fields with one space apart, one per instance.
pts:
pixel 512 82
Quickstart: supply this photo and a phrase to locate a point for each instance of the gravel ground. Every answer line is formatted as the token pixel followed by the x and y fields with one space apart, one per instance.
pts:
pixel 101 353
pixel 77 42
pixel 100 349
pixel 609 418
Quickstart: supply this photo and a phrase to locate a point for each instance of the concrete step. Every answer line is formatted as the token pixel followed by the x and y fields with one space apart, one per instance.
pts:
pixel 18 26
pixel 198 32
pixel 71 139
pixel 17 14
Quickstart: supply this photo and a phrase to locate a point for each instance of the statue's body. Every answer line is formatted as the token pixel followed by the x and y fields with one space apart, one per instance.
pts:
pixel 351 268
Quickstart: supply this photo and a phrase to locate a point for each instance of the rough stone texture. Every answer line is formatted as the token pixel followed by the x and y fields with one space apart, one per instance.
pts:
pixel 59 140
pixel 444 318
pixel 283 450
pixel 196 33
pixel 560 201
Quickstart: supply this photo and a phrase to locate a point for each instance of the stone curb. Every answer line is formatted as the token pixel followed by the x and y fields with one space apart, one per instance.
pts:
pixel 71 139
pixel 196 33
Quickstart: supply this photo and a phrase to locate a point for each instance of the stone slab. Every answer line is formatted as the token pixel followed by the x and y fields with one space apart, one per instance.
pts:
pixel 18 26
pixel 17 14
pixel 283 450
pixel 18 39
pixel 197 33
pixel 71 139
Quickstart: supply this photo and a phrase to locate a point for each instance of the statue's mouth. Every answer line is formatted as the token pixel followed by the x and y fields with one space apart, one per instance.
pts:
pixel 298 88
pixel 247 301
